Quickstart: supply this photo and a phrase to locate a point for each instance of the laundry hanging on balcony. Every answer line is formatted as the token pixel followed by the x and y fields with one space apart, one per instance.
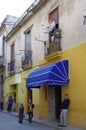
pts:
pixel 50 27
pixel 54 74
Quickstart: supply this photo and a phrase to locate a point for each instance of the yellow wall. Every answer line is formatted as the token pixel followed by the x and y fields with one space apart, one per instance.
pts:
pixel 77 86
pixel 43 104
pixel 21 90
pixel 36 97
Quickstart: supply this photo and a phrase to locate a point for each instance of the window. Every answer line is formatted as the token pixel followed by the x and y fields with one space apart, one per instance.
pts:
pixel 54 16
pixel 54 32
pixel 12 52
pixel 26 59
pixel 12 62
pixel 28 41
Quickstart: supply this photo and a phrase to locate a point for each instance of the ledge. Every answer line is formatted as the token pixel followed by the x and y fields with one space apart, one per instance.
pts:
pixel 53 56
pixel 50 59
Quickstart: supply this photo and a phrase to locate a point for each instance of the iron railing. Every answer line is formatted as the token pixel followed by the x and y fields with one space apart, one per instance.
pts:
pixel 26 59
pixel 54 42
pixel 2 64
pixel 11 66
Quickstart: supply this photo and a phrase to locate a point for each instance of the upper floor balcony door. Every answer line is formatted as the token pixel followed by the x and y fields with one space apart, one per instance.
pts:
pixel 11 64
pixel 54 44
pixel 12 52
pixel 27 55
pixel 2 64
pixel 28 41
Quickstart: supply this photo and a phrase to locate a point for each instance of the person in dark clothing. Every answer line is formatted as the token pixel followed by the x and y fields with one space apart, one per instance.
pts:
pixel 1 103
pixel 64 110
pixel 1 106
pixel 21 113
pixel 30 112
pixel 10 104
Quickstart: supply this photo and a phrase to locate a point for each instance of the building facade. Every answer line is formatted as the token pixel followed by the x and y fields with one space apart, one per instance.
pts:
pixel 6 25
pixel 48 33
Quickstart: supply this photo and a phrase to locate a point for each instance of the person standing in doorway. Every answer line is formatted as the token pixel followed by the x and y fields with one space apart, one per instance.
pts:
pixel 64 110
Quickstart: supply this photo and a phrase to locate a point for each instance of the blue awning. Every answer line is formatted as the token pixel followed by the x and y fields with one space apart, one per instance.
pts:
pixel 54 74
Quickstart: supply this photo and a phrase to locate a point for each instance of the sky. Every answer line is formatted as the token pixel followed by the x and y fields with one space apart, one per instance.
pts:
pixel 13 7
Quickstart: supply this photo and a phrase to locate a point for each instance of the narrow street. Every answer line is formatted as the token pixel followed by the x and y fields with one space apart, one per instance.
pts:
pixel 8 122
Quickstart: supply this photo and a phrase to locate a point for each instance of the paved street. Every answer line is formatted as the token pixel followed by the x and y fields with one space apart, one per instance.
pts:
pixel 8 122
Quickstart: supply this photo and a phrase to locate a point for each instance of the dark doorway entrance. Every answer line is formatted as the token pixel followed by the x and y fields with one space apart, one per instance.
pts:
pixel 57 101
pixel 29 95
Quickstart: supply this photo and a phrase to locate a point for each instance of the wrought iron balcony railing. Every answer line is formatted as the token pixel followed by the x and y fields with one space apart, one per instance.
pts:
pixel 11 67
pixel 26 59
pixel 2 64
pixel 54 42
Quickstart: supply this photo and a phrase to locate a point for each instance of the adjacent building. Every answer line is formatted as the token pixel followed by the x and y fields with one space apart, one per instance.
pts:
pixel 6 26
pixel 46 52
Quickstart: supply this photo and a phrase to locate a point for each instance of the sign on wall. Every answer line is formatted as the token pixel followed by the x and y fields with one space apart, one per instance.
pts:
pixel 18 78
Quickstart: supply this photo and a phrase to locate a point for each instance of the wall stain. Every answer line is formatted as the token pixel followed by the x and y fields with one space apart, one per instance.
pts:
pixel 67 6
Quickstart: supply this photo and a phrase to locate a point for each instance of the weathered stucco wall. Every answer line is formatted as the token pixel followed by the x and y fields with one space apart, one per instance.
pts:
pixel 71 22
pixel 73 43
pixel 39 18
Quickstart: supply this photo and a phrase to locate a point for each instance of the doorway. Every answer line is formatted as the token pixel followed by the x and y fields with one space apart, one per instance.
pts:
pixel 54 101
pixel 29 95
pixel 57 101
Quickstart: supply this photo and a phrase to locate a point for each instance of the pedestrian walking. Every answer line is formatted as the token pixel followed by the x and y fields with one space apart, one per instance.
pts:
pixel 30 111
pixel 10 104
pixel 21 113
pixel 64 110
pixel 1 103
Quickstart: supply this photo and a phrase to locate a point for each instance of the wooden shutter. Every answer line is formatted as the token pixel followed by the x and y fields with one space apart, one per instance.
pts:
pixel 54 15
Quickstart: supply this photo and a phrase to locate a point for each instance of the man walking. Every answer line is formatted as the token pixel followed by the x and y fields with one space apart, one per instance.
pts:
pixel 63 115
pixel 10 104
pixel 30 111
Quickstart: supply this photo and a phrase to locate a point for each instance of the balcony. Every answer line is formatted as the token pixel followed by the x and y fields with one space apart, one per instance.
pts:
pixel 11 67
pixel 26 59
pixel 54 43
pixel 2 62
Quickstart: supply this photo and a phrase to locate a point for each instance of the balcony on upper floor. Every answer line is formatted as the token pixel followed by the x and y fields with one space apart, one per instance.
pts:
pixel 11 67
pixel 2 64
pixel 26 59
pixel 54 43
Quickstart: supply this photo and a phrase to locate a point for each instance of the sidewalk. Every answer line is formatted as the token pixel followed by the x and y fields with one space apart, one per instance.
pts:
pixel 53 124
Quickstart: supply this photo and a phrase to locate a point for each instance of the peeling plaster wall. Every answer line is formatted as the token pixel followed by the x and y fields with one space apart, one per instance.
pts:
pixel 71 22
